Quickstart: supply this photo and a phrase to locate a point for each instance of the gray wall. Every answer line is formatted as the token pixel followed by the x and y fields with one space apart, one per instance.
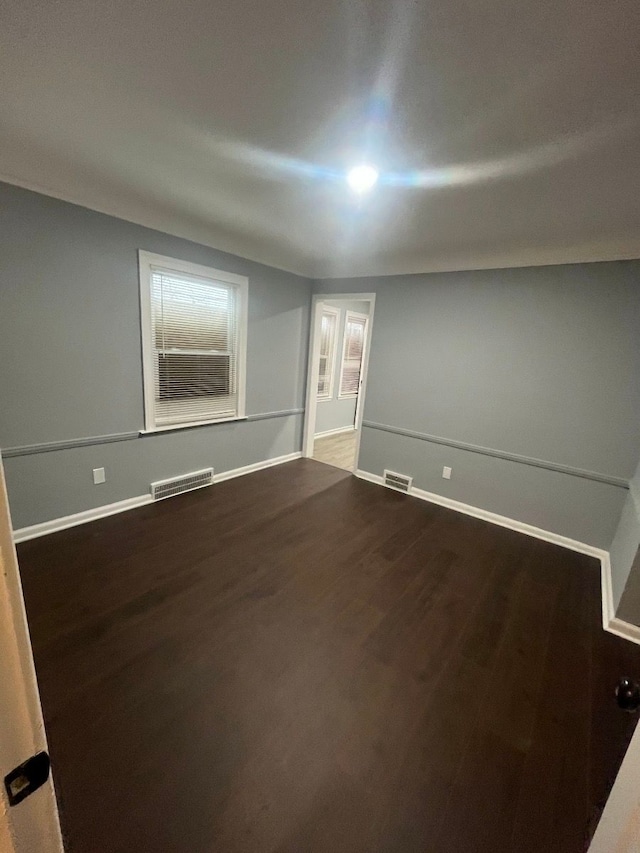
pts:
pixel 72 368
pixel 625 566
pixel 334 413
pixel 475 370
pixel 541 363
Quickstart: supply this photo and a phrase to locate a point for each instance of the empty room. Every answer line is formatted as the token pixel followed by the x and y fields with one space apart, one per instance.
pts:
pixel 319 427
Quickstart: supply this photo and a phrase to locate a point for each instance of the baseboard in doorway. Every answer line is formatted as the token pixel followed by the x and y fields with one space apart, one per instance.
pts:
pixel 337 431
pixel 22 534
pixel 609 620
pixel 624 629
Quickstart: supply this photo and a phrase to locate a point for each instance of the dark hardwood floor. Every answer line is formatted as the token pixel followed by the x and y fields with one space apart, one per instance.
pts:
pixel 298 661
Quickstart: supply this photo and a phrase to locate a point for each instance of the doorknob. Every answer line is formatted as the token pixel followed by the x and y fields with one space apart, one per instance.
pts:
pixel 628 695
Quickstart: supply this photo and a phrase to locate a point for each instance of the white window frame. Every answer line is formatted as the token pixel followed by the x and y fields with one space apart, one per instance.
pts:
pixel 356 316
pixel 146 262
pixel 333 355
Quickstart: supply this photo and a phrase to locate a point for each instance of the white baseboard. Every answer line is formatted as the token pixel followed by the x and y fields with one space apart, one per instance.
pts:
pixel 624 629
pixel 335 431
pixel 46 527
pixel 494 518
pixel 256 466
pixel 609 620
pixel 370 478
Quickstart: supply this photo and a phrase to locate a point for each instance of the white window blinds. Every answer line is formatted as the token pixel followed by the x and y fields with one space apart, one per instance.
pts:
pixel 193 356
pixel 354 338
pixel 328 327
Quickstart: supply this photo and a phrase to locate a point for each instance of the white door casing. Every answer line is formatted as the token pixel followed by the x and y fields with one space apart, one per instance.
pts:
pixel 619 828
pixel 33 824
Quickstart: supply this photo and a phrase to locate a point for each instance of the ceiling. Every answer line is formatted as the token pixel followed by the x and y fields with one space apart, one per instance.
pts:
pixel 507 132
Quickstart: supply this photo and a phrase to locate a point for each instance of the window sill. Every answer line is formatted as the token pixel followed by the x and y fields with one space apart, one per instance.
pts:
pixel 324 399
pixel 347 396
pixel 174 427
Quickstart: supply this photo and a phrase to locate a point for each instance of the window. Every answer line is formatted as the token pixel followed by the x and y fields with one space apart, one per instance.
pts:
pixel 194 322
pixel 355 329
pixel 328 331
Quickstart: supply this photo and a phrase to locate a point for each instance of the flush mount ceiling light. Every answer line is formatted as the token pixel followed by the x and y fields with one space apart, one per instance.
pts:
pixel 362 178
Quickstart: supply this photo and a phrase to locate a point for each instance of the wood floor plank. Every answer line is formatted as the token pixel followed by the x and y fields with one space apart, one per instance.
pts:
pixel 553 792
pixel 301 661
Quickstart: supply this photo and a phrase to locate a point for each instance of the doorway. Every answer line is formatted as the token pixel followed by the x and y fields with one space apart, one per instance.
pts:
pixel 338 361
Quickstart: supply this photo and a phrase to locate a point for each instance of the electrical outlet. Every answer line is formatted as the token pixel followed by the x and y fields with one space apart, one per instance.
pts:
pixel 446 473
pixel 99 476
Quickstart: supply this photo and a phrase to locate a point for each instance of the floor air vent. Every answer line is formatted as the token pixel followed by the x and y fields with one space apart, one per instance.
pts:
pixel 178 485
pixel 397 481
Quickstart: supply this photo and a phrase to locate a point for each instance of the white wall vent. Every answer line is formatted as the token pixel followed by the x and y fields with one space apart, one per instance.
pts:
pixel 397 481
pixel 178 485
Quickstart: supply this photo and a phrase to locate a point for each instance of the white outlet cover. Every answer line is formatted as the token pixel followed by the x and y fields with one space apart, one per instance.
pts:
pixel 446 473
pixel 99 476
